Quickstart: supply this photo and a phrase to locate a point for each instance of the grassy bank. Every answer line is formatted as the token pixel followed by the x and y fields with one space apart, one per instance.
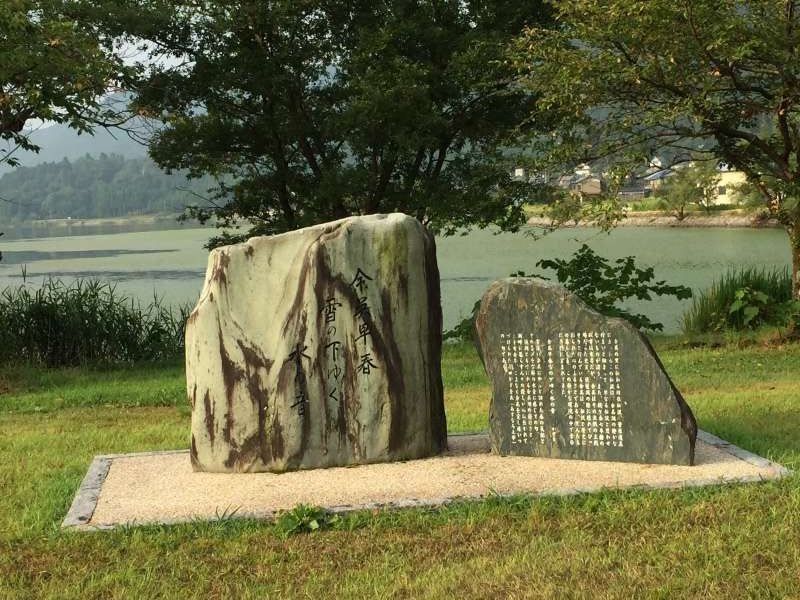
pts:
pixel 728 541
pixel 647 215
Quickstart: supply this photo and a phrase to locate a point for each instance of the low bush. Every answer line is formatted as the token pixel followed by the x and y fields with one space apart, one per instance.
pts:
pixel 742 299
pixel 605 285
pixel 305 519
pixel 85 322
pixel 601 284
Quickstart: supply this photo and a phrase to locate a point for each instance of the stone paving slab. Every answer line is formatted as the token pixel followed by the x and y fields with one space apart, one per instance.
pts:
pixel 160 487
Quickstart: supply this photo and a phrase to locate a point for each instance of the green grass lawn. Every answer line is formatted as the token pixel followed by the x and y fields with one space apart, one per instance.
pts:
pixel 734 541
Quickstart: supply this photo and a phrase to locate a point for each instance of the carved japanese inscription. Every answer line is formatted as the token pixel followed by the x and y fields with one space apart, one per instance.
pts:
pixel 316 348
pixel 570 383
pixel 525 364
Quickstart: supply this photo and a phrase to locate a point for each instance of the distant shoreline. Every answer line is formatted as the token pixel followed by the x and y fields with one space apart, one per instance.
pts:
pixel 133 222
pixel 729 219
pixel 101 221
pixel 44 228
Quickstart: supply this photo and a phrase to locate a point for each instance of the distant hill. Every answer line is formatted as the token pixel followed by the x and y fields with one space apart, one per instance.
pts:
pixel 109 185
pixel 59 141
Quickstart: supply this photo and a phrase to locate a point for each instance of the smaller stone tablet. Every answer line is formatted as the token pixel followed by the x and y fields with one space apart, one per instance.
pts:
pixel 568 382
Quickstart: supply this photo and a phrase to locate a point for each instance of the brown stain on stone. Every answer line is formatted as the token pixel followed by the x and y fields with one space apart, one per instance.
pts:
pixel 193 455
pixel 292 315
pixel 208 416
pixel 387 352
pixel 297 320
pixel 284 388
pixel 348 393
pixel 332 230
pixel 254 361
pixel 296 308
pixel 295 325
pixel 321 286
pixel 349 433
pixel 326 284
pixel 231 374
pixel 240 458
pixel 306 423
pixel 243 454
pixel 249 251
pixel 219 272
pixel 402 285
pixel 277 446
pixel 393 361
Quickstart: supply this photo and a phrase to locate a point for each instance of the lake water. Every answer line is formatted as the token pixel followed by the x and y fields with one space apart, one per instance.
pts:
pixel 171 263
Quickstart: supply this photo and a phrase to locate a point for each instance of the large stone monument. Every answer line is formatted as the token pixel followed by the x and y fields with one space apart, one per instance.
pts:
pixel 568 382
pixel 316 348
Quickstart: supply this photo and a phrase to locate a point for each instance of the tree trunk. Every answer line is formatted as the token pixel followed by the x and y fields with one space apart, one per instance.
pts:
pixel 794 241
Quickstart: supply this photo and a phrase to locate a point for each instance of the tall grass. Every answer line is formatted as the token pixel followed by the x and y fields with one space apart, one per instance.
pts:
pixel 85 322
pixel 710 309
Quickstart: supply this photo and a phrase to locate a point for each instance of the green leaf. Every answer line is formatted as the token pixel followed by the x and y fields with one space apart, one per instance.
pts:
pixel 736 306
pixel 760 297
pixel 602 285
pixel 750 312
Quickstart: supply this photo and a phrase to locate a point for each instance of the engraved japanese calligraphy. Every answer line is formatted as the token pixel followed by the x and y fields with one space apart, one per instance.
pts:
pixel 524 361
pixel 568 382
pixel 589 365
pixel 590 382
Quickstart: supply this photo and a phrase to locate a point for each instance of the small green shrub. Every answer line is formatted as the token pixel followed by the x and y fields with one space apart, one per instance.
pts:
pixel 603 285
pixel 465 329
pixel 304 519
pixel 85 322
pixel 742 299
pixel 749 305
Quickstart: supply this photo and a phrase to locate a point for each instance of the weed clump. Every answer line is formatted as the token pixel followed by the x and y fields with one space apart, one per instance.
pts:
pixel 85 322
pixel 742 299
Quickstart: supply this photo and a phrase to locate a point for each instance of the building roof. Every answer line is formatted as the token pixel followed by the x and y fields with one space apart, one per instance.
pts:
pixel 662 174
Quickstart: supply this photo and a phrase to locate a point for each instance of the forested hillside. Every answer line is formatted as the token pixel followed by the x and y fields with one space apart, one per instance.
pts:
pixel 105 186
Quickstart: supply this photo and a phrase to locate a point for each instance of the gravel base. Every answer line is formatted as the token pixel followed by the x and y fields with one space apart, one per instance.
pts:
pixel 162 488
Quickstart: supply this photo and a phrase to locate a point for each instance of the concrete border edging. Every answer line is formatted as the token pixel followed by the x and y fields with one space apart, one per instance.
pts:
pixel 85 501
pixel 82 508
pixel 79 516
pixel 741 453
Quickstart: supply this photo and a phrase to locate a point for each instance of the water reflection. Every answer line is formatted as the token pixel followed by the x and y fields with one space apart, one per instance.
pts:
pixel 17 257
pixel 114 275
pixel 74 227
